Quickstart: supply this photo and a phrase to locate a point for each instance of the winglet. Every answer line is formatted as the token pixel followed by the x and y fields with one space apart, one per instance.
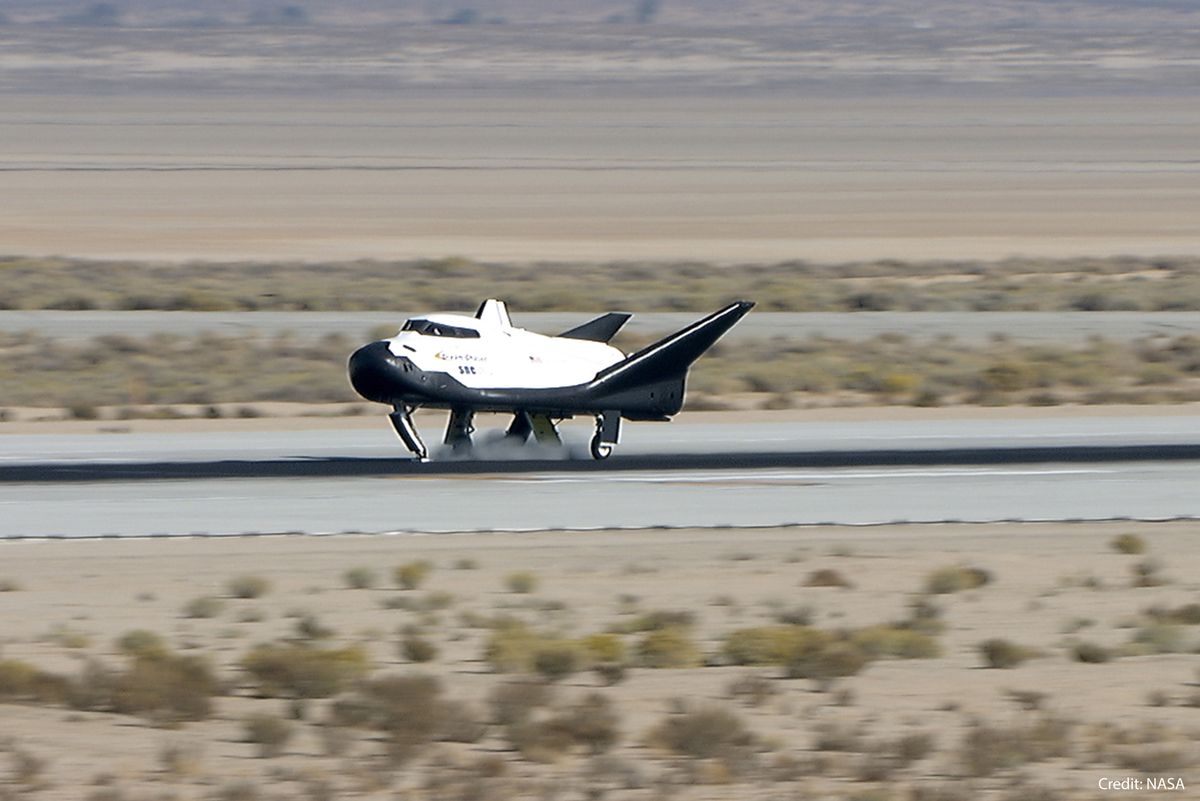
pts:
pixel 494 312
pixel 602 329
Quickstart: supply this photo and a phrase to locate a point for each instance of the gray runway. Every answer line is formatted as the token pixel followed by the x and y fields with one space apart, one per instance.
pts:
pixel 1032 327
pixel 549 496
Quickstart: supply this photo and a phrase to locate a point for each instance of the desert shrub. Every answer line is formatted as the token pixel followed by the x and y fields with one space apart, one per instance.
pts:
pixel 204 606
pixel 140 642
pixel 1001 653
pixel 310 627
pixel 248 586
pixel 914 747
pixel 359 578
pixel 411 575
pixel 827 663
pixel 590 722
pixel 303 671
pixel 955 579
pixel 165 688
pixel 826 577
pixel 1185 615
pixel 795 616
pixel 181 758
pixel 511 647
pixel 23 682
pixel 709 732
pixel 522 581
pixel 1154 759
pixel 1130 544
pixel 670 647
pixel 1148 573
pixel 987 748
pixel 1090 652
pixel 611 673
pixel 771 645
pixel 893 641
pixel 9 585
pixel 655 620
pixel 410 712
pixel 837 736
pixel 418 649
pixel 603 648
pixel 557 659
pixel 924 616
pixel 270 733
pixel 1159 638
pixel 514 701
pixel 466 563
pixel 751 689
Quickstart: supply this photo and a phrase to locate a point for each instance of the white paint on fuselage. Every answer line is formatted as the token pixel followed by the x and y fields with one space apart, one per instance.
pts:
pixel 503 357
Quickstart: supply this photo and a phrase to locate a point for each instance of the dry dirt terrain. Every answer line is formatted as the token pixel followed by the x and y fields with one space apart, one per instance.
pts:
pixel 925 718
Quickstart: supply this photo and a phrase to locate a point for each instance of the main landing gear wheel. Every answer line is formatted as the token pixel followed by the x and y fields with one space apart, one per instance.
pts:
pixel 600 450
pixel 608 433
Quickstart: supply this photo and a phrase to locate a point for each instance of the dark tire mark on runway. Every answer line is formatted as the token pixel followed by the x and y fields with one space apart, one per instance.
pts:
pixel 337 467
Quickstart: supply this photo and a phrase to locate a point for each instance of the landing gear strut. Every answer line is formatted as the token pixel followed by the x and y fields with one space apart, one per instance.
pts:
pixel 608 434
pixel 405 429
pixel 459 430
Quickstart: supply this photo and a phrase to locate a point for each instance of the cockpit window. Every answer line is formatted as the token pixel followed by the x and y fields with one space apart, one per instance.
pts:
pixel 431 329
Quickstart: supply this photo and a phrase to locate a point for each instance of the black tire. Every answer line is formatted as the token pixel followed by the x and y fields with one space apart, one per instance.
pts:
pixel 600 450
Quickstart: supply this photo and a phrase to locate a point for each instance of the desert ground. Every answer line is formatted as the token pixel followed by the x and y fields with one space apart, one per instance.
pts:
pixel 522 178
pixel 939 724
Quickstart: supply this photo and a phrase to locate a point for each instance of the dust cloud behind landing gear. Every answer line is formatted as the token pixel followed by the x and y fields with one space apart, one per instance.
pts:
pixel 494 445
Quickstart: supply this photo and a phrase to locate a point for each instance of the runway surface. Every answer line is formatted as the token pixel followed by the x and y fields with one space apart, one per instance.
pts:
pixel 680 475
pixel 1033 327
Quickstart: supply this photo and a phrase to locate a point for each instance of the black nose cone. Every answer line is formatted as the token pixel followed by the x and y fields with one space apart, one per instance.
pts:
pixel 372 372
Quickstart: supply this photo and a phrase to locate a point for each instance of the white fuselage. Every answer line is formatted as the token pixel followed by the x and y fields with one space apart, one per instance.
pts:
pixel 486 353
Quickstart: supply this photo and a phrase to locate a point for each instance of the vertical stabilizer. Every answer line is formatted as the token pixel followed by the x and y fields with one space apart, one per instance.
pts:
pixel 493 312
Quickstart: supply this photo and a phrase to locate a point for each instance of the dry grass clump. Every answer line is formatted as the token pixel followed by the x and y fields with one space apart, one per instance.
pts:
pixel 141 642
pixel 1184 615
pixel 669 647
pixel 360 578
pixel 521 581
pixel 164 687
pixel 285 670
pixel 21 682
pixel 1148 573
pixel 1130 544
pixel 709 732
pixel 896 641
pixel 947 580
pixel 1158 638
pixel 248 586
pixel 409 711
pixel 590 722
pixel 10 585
pixel 415 648
pixel 1001 653
pixel 752 689
pixel 514 646
pixel 204 606
pixel 1090 653
pixel 988 748
pixel 270 733
pixel 827 577
pixel 411 575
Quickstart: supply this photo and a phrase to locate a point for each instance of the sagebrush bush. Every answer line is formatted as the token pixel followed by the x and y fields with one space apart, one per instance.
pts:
pixel 1090 652
pixel 522 581
pixel 284 670
pixel 896 642
pixel 418 649
pixel 827 577
pixel 827 663
pixel 411 575
pixel 248 586
pixel 360 578
pixel 1130 544
pixel 140 642
pixel 671 647
pixel 956 579
pixel 204 606
pixel 515 701
pixel 270 733
pixel 1001 653
pixel 708 732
